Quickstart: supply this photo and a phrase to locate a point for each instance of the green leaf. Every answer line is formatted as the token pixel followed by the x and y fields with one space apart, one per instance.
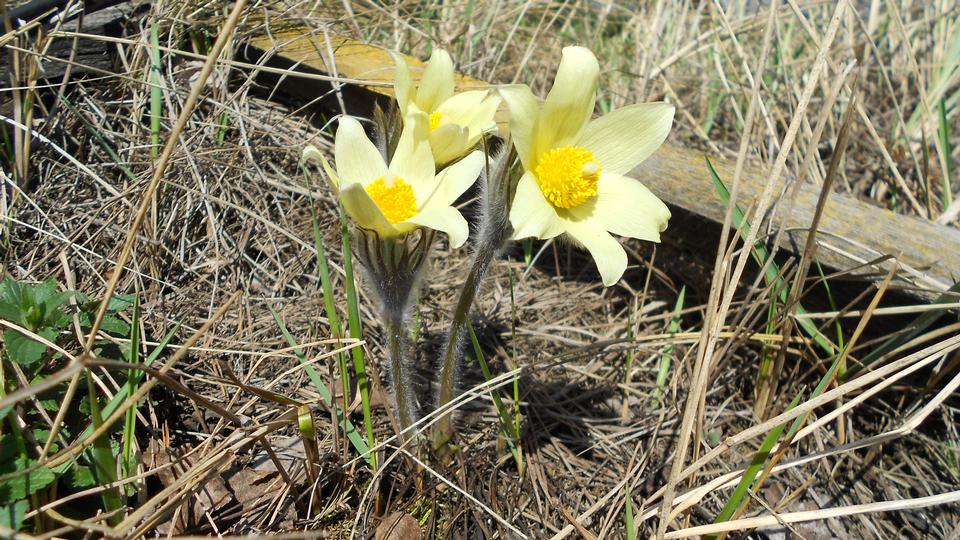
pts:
pixel 79 477
pixel 11 301
pixel 120 302
pixel 20 487
pixel 11 515
pixel 35 306
pixel 24 350
pixel 114 325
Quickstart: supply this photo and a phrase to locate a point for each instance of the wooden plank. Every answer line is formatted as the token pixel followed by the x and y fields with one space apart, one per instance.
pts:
pixel 851 231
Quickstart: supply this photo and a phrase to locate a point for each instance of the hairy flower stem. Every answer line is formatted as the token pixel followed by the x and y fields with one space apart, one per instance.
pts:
pixel 394 265
pixel 397 348
pixel 455 339
pixel 495 231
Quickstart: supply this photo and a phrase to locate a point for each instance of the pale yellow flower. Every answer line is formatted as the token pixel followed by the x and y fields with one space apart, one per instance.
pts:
pixel 395 199
pixel 457 121
pixel 573 181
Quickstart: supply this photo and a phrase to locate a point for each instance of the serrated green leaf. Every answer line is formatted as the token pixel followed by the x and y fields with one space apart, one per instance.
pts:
pixel 11 515
pixel 63 467
pixel 9 312
pixel 114 325
pixel 24 350
pixel 8 448
pixel 20 487
pixel 120 302
pixel 79 477
pixel 51 405
pixel 41 292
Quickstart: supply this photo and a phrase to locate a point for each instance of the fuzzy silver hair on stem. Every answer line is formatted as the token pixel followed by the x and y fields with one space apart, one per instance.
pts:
pixel 393 266
pixel 498 186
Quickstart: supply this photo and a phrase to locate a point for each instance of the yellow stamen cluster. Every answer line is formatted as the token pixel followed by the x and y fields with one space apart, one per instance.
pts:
pixel 567 176
pixel 394 197
pixel 435 119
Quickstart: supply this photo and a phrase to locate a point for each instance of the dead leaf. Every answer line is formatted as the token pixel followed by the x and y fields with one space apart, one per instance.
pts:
pixel 398 526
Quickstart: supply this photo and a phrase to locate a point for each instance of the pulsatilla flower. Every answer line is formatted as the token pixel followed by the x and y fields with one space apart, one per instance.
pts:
pixel 392 200
pixel 573 181
pixel 457 121
pixel 396 209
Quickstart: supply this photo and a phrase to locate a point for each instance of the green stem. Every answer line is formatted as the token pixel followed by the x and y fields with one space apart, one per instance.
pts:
pixel 452 353
pixel 402 391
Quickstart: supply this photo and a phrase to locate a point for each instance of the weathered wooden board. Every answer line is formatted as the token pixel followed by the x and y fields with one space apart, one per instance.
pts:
pixel 851 231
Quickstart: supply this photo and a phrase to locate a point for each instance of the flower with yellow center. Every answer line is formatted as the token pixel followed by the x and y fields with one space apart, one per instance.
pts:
pixel 457 121
pixel 573 181
pixel 395 199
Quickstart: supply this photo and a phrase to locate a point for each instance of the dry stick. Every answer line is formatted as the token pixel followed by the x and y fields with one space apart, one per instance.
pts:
pixel 230 63
pixel 224 37
pixel 707 341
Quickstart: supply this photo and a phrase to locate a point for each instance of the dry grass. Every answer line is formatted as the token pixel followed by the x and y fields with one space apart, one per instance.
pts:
pixel 229 225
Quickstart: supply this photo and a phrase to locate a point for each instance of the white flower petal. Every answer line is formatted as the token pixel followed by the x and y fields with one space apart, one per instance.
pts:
pixel 457 178
pixel 448 142
pixel 403 83
pixel 445 219
pixel 474 110
pixel 623 138
pixel 531 214
pixel 606 251
pixel 485 119
pixel 364 212
pixel 623 206
pixel 569 105
pixel 412 160
pixel 358 160
pixel 461 107
pixel 436 85
pixel 524 112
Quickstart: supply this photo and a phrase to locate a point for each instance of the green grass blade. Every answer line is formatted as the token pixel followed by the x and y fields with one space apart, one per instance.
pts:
pixel 628 518
pixel 527 244
pixel 104 463
pixel 356 332
pixel 666 357
pixel 321 388
pixel 333 319
pixel 507 424
pixel 756 465
pixel 943 131
pixel 224 124
pixel 122 393
pixel 156 91
pixel 831 301
pixel 771 275
pixel 914 329
pixel 133 382
pixel 101 140
pixel 513 356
